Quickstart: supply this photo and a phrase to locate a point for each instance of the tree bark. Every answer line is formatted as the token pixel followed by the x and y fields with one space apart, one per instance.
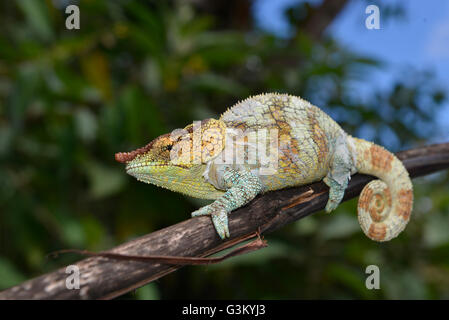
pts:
pixel 104 278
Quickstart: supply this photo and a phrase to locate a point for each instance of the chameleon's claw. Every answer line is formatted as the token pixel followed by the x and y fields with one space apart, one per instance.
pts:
pixel 219 219
pixel 203 211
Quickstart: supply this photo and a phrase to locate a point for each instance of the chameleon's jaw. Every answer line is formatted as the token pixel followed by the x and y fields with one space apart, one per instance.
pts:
pixel 180 178
pixel 159 173
pixel 144 171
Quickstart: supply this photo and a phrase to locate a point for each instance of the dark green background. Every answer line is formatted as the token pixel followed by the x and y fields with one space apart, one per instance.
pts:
pixel 137 69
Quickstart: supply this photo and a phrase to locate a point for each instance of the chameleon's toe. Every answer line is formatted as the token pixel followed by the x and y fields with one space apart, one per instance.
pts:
pixel 331 206
pixel 220 221
pixel 204 211
pixel 336 193
pixel 219 218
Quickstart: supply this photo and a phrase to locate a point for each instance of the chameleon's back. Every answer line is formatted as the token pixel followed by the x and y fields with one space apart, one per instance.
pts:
pixel 302 130
pixel 310 142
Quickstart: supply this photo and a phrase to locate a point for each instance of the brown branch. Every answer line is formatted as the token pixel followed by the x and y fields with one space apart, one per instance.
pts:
pixel 103 278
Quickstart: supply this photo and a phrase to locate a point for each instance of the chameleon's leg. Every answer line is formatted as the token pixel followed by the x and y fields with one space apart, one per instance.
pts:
pixel 242 187
pixel 338 177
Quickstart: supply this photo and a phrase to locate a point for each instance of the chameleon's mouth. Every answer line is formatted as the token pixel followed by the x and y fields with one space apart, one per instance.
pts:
pixel 137 166
pixel 148 172
pixel 141 170
pixel 143 167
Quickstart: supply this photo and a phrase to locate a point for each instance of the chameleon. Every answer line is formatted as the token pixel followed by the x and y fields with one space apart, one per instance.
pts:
pixel 305 145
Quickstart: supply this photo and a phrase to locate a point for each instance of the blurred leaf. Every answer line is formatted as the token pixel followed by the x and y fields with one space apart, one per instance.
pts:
pixel 340 225
pixel 94 231
pixel 96 69
pixel 6 135
pixel 353 279
pixel 436 230
pixel 214 83
pixel 73 233
pixel 104 181
pixel 402 285
pixel 148 292
pixel 307 226
pixel 37 15
pixel 86 124
pixel 9 276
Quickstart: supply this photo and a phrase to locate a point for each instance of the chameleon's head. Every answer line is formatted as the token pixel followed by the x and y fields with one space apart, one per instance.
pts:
pixel 177 160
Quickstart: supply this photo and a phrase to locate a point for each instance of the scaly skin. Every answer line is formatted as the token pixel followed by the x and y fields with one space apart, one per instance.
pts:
pixel 269 142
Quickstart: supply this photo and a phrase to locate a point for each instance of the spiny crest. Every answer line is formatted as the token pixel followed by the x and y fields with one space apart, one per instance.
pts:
pixel 262 95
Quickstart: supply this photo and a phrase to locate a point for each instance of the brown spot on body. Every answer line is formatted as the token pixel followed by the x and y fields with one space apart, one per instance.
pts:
pixel 377 208
pixel 238 125
pixel 375 214
pixel 381 159
pixel 376 204
pixel 387 195
pixel 405 199
pixel 365 198
pixel 377 231
pixel 287 143
pixel 318 135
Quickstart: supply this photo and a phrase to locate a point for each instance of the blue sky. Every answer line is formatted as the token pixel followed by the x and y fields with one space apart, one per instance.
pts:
pixel 419 41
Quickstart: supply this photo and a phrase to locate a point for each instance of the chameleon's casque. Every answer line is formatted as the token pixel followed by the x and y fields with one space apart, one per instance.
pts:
pixel 221 160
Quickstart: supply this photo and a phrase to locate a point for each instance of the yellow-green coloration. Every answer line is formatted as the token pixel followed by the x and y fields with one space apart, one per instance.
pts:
pixel 306 144
pixel 169 164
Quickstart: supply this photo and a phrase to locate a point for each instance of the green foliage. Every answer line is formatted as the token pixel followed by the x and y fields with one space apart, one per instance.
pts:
pixel 69 100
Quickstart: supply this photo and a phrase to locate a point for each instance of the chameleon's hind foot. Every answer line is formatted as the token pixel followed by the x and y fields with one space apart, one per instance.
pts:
pixel 336 193
pixel 219 219
pixel 330 206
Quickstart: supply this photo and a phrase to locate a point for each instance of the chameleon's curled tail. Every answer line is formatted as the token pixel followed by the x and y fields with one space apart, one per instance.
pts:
pixel 384 205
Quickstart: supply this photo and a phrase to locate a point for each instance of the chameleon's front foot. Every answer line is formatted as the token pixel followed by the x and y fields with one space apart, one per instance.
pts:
pixel 242 187
pixel 219 219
